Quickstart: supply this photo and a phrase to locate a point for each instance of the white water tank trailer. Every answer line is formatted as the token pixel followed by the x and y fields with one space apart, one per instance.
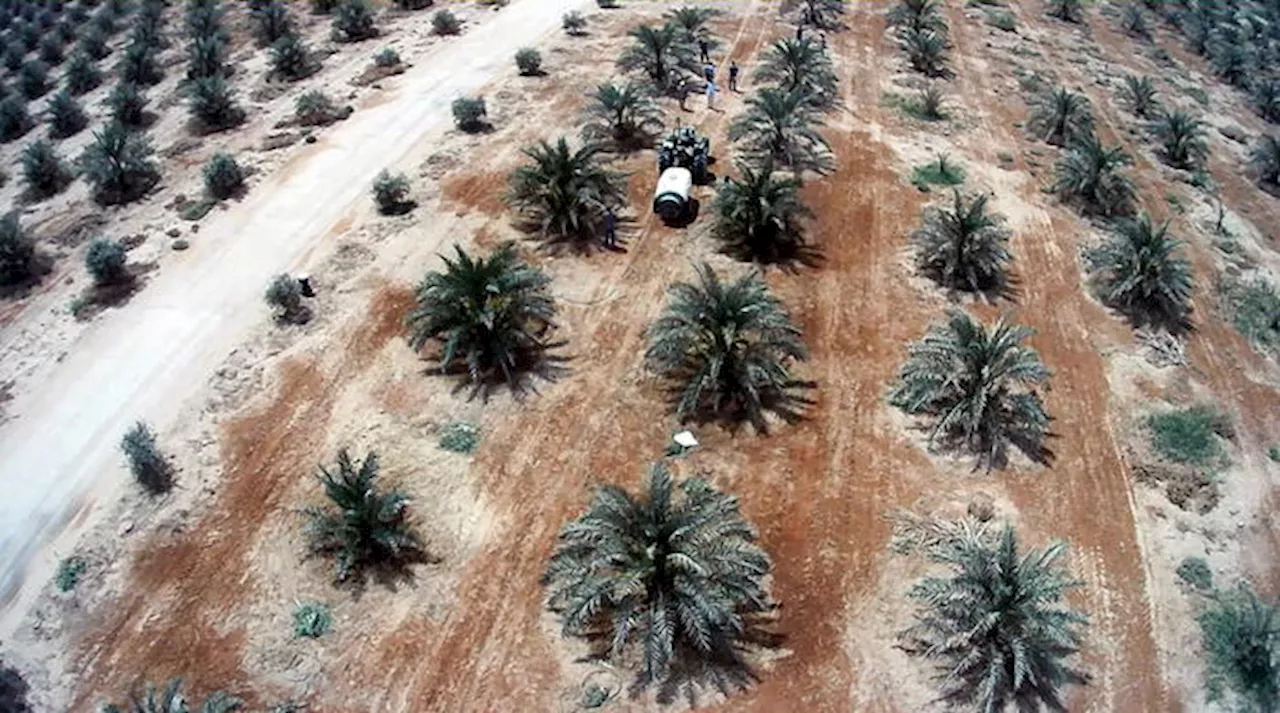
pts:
pixel 671 198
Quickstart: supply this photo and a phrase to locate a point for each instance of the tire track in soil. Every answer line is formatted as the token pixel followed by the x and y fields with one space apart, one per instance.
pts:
pixel 178 616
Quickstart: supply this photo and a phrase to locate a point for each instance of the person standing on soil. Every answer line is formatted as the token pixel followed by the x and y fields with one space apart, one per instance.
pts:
pixel 682 91
pixel 733 76
pixel 799 32
pixel 709 72
pixel 711 95
pixel 610 229
pixel 705 48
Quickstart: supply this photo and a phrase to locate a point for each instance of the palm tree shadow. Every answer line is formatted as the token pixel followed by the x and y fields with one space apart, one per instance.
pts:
pixel 992 457
pixel 391 573
pixel 791 256
pixel 783 403
pixel 532 365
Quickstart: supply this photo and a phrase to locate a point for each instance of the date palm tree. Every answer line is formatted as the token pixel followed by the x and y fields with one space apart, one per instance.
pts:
pixel 365 527
pixel 1089 175
pixel 1182 140
pixel 694 22
pixel 800 66
pixel 926 51
pixel 672 579
pixel 1242 644
pixel 660 52
pixel 726 349
pixel 625 115
pixel 170 700
pixel 759 214
pixel 1264 162
pixel 489 316
pixel 1140 96
pixel 978 387
pixel 1061 116
pixel 963 247
pixel 1067 10
pixel 1265 98
pixel 564 192
pixel 996 625
pixel 781 127
pixel 823 14
pixel 1134 22
pixel 918 16
pixel 1140 271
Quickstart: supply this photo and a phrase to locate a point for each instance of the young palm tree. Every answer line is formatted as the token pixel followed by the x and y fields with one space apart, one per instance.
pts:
pixel 823 14
pixel 1139 270
pixel 1061 116
pixel 963 247
pixel 800 66
pixel 1089 175
pixel 918 16
pixel 727 349
pixel 117 164
pixel 1264 162
pixel 1067 10
pixel 1265 98
pixel 693 22
pixel 489 316
pixel 660 53
pixel 996 626
pixel 171 700
pixel 366 527
pixel 1182 140
pixel 1139 95
pixel 565 192
pixel 978 386
pixel 1242 644
pixel 759 215
pixel 1134 22
pixel 780 127
pixel 625 115
pixel 926 51
pixel 674 575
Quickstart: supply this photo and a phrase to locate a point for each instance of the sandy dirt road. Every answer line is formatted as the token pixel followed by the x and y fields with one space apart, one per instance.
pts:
pixel 144 361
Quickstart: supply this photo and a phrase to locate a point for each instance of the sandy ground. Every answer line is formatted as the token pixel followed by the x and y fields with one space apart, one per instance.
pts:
pixel 201 583
pixel 146 361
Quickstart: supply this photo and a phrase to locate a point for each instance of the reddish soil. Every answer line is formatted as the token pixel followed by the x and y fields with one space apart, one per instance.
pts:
pixel 819 491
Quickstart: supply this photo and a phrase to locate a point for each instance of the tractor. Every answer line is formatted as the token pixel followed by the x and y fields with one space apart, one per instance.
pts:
pixel 683 157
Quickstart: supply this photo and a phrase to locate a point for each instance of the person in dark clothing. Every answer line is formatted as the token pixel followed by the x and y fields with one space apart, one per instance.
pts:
pixel 733 76
pixel 610 228
pixel 705 48
pixel 709 72
pixel 799 32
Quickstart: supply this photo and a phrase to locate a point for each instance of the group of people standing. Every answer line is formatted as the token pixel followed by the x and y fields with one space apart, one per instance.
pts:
pixel 710 87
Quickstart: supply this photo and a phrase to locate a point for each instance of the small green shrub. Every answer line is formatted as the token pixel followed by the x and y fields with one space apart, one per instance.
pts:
pixel 17 251
pixel 223 177
pixel 445 23
pixel 529 62
pixel 291 59
pixel 1254 308
pixel 311 620
pixel 106 262
pixel 66 115
pixel 81 74
pixel 1188 435
pixel 314 108
pixel 940 172
pixel 93 43
pixel 140 65
pixel 1195 571
pixel 127 103
pixel 43 171
pixel 459 437
pixel 574 23
pixel 1274 453
pixel 284 295
pixel 1002 20
pixel 212 104
pixel 206 57
pixel 33 79
pixel 52 50
pixel 70 570
pixel 391 192
pixel 386 57
pixel 353 22
pixel 271 21
pixel 15 122
pixel 148 466
pixel 469 113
